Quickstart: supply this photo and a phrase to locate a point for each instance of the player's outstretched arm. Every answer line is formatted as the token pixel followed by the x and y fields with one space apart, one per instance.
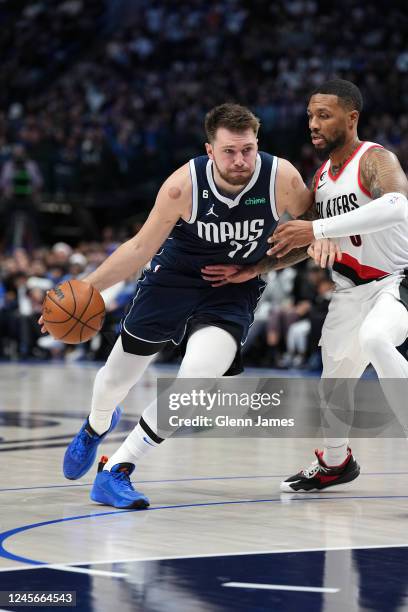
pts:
pixel 296 199
pixel 324 253
pixel 172 203
pixel 384 178
pixel 223 274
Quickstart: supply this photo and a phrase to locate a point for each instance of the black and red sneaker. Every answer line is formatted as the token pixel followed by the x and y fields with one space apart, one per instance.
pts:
pixel 320 476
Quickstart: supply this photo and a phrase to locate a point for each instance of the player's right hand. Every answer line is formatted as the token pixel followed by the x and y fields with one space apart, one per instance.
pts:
pixel 325 252
pixel 41 322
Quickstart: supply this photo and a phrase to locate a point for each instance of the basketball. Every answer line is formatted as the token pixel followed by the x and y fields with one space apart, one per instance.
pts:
pixel 73 312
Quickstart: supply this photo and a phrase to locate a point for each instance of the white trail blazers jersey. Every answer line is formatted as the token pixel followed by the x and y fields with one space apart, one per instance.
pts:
pixel 368 257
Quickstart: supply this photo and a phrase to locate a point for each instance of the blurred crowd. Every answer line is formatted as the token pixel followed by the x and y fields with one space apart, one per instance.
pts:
pixel 111 95
pixel 101 99
pixel 24 280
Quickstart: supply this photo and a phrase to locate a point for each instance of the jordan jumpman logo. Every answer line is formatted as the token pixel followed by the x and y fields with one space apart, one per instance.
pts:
pixel 211 212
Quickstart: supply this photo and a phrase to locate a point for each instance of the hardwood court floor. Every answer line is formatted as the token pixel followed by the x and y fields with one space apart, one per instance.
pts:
pixel 212 500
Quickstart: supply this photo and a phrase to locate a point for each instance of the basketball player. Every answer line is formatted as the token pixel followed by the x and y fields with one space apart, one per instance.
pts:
pixel 361 197
pixel 220 207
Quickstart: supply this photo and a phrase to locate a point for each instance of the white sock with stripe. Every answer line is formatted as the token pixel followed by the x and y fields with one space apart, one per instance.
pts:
pixel 139 442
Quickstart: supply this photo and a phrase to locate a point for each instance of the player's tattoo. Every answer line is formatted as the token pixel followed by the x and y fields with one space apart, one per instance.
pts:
pixel 314 180
pixel 273 263
pixel 381 173
pixel 335 169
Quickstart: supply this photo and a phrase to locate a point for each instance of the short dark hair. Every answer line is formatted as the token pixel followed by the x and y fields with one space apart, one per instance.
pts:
pixel 231 116
pixel 348 93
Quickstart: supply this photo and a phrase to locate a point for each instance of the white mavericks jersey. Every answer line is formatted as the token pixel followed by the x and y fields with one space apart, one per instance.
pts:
pixel 370 256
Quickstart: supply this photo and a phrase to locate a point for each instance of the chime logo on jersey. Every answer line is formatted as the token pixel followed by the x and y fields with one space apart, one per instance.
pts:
pixel 254 201
pixel 337 206
pixel 239 230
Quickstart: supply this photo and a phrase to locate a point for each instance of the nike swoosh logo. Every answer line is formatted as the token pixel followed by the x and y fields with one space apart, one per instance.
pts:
pixel 147 441
pixel 323 184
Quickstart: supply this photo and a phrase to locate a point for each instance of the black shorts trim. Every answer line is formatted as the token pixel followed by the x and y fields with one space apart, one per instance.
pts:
pixel 143 348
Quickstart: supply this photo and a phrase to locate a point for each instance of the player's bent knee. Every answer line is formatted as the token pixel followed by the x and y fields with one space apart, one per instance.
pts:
pixel 372 340
pixel 113 379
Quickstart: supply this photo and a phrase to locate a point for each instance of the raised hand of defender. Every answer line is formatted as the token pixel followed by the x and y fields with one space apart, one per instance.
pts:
pixel 324 252
pixel 290 235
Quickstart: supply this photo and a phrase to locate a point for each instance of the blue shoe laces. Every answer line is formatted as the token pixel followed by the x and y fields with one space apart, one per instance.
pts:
pixel 80 448
pixel 123 480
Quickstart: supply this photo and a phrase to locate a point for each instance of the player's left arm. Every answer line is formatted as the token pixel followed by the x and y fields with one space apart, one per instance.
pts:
pixel 384 178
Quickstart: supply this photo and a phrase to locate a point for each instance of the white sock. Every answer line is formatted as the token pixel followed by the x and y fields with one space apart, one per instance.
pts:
pixel 335 451
pixel 112 384
pixel 136 445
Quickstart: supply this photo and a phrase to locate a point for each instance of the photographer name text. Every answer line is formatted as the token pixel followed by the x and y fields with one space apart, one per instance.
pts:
pixel 227 421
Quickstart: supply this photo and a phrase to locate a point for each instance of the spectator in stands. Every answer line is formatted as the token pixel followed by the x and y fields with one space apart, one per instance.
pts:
pixel 20 185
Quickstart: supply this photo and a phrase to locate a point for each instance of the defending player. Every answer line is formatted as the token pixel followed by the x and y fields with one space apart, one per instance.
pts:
pixel 220 207
pixel 361 197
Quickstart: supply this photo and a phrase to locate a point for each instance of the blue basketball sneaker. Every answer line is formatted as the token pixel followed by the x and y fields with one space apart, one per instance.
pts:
pixel 80 454
pixel 113 488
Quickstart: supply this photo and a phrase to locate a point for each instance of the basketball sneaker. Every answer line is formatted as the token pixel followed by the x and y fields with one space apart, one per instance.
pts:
pixel 80 454
pixel 113 488
pixel 320 476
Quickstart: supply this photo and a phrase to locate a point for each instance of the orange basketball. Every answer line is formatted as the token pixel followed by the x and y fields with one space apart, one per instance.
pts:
pixel 73 312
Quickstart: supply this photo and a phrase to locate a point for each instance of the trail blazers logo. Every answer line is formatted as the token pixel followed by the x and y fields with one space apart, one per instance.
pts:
pixel 337 206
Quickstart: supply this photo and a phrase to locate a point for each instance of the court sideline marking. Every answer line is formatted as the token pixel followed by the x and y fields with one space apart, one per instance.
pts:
pixel 191 479
pixel 7 534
